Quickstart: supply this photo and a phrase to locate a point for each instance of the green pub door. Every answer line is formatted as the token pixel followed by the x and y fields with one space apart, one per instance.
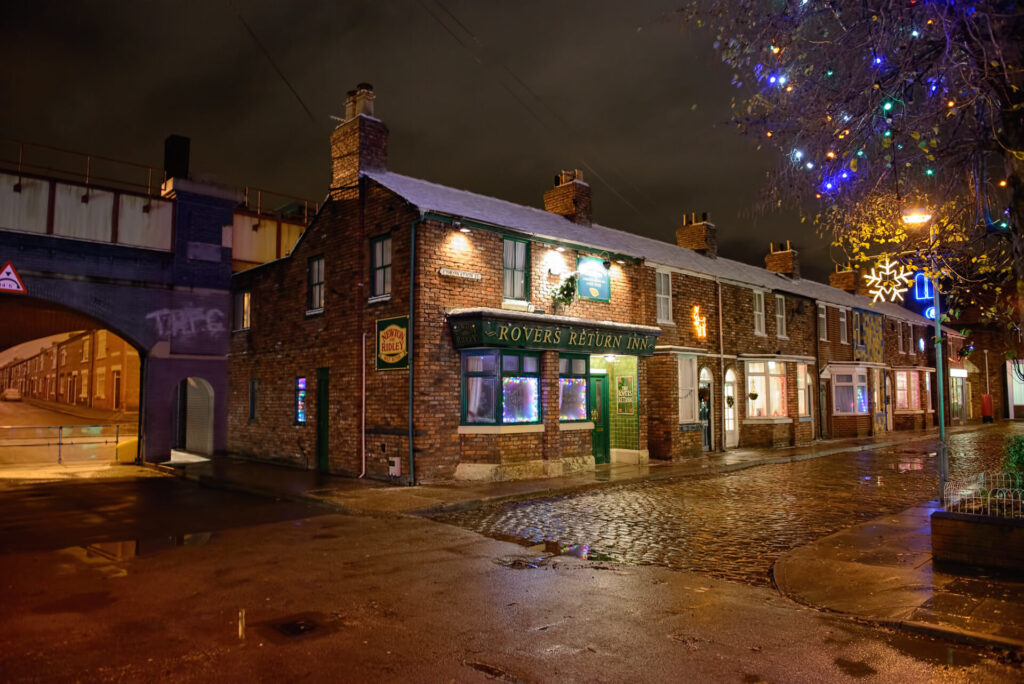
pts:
pixel 599 414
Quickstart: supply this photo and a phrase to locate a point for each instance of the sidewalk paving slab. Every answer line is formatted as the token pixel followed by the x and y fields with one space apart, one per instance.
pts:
pixel 882 571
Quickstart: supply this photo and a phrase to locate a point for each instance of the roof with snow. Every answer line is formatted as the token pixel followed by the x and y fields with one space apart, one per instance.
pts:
pixel 427 196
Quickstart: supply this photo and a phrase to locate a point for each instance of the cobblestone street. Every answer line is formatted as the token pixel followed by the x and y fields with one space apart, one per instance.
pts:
pixel 734 526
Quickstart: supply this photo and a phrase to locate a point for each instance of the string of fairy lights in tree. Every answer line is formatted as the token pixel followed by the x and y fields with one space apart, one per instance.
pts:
pixel 877 105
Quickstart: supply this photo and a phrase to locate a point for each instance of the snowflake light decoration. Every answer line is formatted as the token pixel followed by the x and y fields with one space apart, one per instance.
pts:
pixel 890 282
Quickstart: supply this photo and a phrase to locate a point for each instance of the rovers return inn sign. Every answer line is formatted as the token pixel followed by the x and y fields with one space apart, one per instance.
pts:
pixel 393 343
pixel 494 328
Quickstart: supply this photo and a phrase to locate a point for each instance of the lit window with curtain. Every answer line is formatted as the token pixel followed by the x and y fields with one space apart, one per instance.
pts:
pixel 780 316
pixel 515 269
pixel 801 389
pixel 766 389
pixel 663 296
pixel 573 373
pixel 822 323
pixel 758 312
pixel 850 392
pixel 242 311
pixel 687 389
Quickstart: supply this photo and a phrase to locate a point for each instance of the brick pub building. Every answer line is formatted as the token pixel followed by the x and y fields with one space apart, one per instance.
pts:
pixel 412 334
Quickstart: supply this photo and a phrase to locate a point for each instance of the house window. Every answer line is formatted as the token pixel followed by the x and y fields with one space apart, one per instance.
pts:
pixel 844 333
pixel 766 389
pixel 83 388
pixel 254 386
pixel 910 338
pixel 380 266
pixel 780 316
pixel 822 323
pixel 315 285
pixel 687 389
pixel 101 344
pixel 85 349
pixel 300 401
pixel 907 394
pixel 758 313
pixel 242 312
pixel 850 392
pixel 899 336
pixel 515 269
pixel 663 296
pixel 518 400
pixel 101 382
pixel 573 372
pixel 856 328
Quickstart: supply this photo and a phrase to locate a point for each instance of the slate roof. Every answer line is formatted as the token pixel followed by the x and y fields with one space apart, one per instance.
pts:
pixel 429 196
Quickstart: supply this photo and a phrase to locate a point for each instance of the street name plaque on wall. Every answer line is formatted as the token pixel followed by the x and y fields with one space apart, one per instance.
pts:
pixel 483 330
pixel 455 273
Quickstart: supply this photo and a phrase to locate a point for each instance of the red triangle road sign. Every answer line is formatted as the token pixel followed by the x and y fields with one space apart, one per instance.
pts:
pixel 10 281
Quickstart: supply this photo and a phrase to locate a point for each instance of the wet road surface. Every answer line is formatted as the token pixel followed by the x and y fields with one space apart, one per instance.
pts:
pixel 734 526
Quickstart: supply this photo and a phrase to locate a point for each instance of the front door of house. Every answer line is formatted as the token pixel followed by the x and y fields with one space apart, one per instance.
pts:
pixel 956 400
pixel 704 413
pixel 117 389
pixel 323 423
pixel 599 414
pixel 732 433
pixel 888 403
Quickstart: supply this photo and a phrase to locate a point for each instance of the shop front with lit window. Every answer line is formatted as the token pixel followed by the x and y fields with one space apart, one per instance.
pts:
pixel 543 394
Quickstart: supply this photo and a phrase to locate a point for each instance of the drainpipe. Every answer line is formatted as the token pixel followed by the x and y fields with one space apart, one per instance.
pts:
pixel 412 338
pixel 721 365
pixel 362 426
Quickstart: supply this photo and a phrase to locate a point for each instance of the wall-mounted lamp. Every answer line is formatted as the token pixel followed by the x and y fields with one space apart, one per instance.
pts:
pixel 559 249
pixel 607 264
pixel 465 230
pixel 620 261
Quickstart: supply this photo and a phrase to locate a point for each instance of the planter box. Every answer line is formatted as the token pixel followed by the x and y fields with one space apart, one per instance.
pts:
pixel 978 540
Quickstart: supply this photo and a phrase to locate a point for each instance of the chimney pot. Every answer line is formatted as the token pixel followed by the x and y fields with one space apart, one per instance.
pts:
pixel 700 236
pixel 570 197
pixel 785 261
pixel 359 143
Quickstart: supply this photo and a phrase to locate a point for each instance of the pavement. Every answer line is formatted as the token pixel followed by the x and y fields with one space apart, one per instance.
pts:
pixel 879 571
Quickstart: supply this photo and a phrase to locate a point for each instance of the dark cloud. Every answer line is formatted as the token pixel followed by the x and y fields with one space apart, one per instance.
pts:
pixel 496 102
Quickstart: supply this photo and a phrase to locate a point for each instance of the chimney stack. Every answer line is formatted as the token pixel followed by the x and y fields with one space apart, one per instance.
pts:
pixel 698 235
pixel 785 261
pixel 847 280
pixel 359 143
pixel 570 197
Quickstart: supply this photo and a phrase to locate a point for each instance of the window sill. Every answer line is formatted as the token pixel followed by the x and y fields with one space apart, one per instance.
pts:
pixel 581 425
pixel 847 344
pixel 866 415
pixel 664 322
pixel 772 420
pixel 515 304
pixel 238 330
pixel 379 298
pixel 500 429
pixel 310 313
pixel 759 334
pixel 782 337
pixel 909 411
pixel 806 419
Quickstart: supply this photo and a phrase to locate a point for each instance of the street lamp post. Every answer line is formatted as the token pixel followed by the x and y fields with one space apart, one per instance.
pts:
pixel 917 218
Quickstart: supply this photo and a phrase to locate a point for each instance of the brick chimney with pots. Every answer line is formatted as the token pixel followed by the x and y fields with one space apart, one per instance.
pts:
pixel 785 261
pixel 698 235
pixel 358 143
pixel 847 280
pixel 570 197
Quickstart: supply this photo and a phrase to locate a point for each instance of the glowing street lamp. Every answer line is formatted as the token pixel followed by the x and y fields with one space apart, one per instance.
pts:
pixel 919 217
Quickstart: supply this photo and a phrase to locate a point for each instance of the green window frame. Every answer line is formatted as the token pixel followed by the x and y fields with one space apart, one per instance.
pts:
pixel 501 387
pixel 315 284
pixel 515 269
pixel 573 375
pixel 380 266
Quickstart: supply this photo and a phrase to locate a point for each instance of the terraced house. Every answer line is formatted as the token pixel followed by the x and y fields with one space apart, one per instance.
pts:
pixel 422 333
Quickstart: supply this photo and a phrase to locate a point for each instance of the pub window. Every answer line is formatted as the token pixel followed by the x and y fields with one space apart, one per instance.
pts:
pixel 844 333
pixel 850 392
pixel 242 312
pixel 687 390
pixel 766 389
pixel 254 386
pixel 758 313
pixel 315 285
pixel 517 374
pixel 300 401
pixel 822 323
pixel 663 296
pixel 573 372
pixel 515 269
pixel 380 266
pixel 780 316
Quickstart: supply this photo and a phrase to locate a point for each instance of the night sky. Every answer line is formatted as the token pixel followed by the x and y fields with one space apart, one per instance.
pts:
pixel 490 97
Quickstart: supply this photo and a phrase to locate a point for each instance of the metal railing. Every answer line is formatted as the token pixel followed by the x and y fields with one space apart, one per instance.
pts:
pixel 64 444
pixel 999 494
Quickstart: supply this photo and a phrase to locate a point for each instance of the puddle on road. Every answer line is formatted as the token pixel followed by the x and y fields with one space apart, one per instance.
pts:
pixel 933 651
pixel 109 557
pixel 550 549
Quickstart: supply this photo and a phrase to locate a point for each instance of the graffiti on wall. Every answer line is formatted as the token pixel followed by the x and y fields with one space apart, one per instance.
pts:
pixel 191 329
